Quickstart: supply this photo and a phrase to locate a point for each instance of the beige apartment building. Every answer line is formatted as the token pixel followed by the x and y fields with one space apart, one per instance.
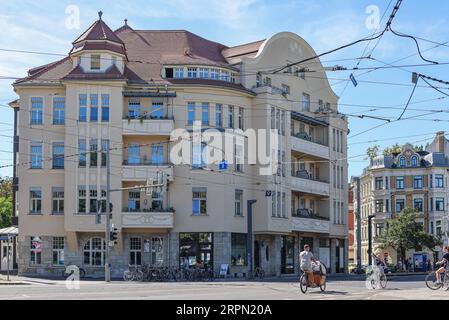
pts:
pixel 129 89
pixel 412 179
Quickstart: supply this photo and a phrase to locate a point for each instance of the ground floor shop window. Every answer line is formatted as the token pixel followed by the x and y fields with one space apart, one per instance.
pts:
pixel 287 254
pixel 157 251
pixel 135 251
pixel 238 249
pixel 58 251
pixel 94 251
pixel 36 251
pixel 193 246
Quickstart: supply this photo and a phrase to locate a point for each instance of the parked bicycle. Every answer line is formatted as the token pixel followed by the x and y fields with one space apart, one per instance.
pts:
pixel 376 277
pixel 259 273
pixel 134 273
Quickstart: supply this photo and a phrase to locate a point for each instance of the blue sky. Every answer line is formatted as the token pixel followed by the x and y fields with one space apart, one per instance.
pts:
pixel 325 24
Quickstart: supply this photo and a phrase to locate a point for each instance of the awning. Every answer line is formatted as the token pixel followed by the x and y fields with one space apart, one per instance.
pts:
pixel 146 94
pixel 11 231
pixel 309 120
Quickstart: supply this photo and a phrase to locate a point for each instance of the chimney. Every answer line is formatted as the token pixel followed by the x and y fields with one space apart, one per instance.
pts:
pixel 440 141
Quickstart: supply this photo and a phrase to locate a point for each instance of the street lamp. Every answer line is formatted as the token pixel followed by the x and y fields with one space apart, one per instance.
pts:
pixel 249 246
pixel 370 238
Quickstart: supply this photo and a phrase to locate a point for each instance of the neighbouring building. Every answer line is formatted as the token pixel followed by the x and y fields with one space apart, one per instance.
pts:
pixel 128 90
pixel 351 216
pixel 412 179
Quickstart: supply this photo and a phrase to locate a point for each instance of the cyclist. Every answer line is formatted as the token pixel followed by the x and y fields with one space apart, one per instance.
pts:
pixel 198 264
pixel 305 258
pixel 444 263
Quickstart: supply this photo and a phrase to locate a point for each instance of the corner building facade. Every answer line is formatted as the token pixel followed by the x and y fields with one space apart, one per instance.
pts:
pixel 126 91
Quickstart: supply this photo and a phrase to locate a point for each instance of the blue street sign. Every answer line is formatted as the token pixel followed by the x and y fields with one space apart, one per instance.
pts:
pixel 223 165
pixel 354 81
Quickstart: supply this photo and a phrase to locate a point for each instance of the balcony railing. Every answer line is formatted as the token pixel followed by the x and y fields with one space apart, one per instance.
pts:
pixel 147 117
pixel 145 162
pixel 306 137
pixel 307 213
pixel 304 174
pixel 140 210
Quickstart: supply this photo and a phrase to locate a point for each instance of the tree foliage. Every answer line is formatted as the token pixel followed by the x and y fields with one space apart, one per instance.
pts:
pixel 5 212
pixel 404 233
pixel 372 151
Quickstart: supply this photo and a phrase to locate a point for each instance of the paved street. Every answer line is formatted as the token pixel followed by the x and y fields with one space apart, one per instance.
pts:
pixel 401 288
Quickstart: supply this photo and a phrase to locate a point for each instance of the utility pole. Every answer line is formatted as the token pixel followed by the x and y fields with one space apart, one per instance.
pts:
pixel 359 227
pixel 107 266
pixel 370 239
pixel 7 259
pixel 249 249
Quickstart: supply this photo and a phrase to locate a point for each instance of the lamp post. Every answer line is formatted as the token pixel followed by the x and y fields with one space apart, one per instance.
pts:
pixel 249 246
pixel 370 240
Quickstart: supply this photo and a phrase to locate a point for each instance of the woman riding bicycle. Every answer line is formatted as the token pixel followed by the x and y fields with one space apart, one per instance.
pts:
pixel 305 258
pixel 444 263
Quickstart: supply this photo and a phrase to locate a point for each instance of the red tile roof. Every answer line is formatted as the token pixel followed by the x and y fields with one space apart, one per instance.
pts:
pixel 110 74
pixel 98 31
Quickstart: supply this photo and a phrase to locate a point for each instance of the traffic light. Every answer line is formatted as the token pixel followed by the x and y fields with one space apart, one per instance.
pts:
pixel 113 236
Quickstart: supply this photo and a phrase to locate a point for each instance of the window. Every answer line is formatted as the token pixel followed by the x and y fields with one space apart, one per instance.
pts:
pixel 399 205
pixel 179 73
pixel 224 75
pixel 157 251
pixel 399 182
pixel 273 203
pixel 438 229
pixel 35 200
pixel 36 155
pixel 285 89
pixel 93 202
pixel 198 156
pixel 273 118
pixel 157 109
pixel 283 123
pixel 58 110
pixel 238 203
pixel 379 183
pixel 439 204
pixel 58 155
pixel 278 204
pixel 284 205
pixel 105 107
pixel 134 108
pixel 94 107
pixel 379 229
pixel 238 249
pixel 104 151
pixel 218 115
pixel 199 201
pixel 379 206
pixel 233 77
pixel 157 153
pixel 414 161
pixel 82 152
pixel 192 72
pixel 439 181
pixel 135 251
pixel 205 113
pixel 418 204
pixel 334 140
pixel 95 61
pixel 82 101
pixel 214 74
pixel 431 204
pixel 417 182
pixel 387 205
pixel 283 164
pixel 402 161
pixel 267 81
pixel 37 110
pixel 35 251
pixel 93 153
pixel 231 116
pixel 241 118
pixel 94 251
pixel 258 80
pixel 238 158
pixel 82 199
pixel 204 73
pixel 133 154
pixel 134 200
pixel 278 121
pixel 190 112
pixel 305 102
pixel 58 200
pixel 58 251
pixel 169 73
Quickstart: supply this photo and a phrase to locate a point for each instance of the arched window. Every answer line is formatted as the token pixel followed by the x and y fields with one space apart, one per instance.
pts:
pixel 414 161
pixel 402 161
pixel 94 251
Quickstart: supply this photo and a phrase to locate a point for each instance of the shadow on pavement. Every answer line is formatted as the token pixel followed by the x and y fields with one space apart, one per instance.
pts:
pixel 343 293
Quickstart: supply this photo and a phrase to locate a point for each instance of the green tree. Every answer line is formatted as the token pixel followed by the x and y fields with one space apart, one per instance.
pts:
pixel 5 212
pixel 404 233
pixel 419 148
pixel 372 151
pixel 396 148
pixel 5 187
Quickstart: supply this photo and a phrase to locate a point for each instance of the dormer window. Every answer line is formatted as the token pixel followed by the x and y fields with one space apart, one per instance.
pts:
pixel 191 73
pixel 114 60
pixel 95 61
pixel 402 161
pixel 414 161
pixel 179 73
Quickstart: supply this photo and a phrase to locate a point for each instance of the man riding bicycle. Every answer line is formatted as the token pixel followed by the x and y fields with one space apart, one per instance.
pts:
pixel 305 259
pixel 444 263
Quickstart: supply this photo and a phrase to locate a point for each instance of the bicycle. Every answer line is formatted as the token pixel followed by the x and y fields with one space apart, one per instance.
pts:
pixel 433 284
pixel 68 271
pixel 376 276
pixel 134 273
pixel 259 273
pixel 304 282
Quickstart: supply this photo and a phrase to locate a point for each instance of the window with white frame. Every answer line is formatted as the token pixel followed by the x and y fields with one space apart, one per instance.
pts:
pixel 192 72
pixel 35 200
pixel 179 73
pixel 58 251
pixel 238 158
pixel 93 194
pixel 157 251
pixel 219 115
pixel 93 152
pixel 284 205
pixel 134 200
pixel 439 181
pixel 224 75
pixel 95 61
pixel 82 153
pixel 94 252
pixel 215 74
pixel 58 155
pixel 58 110
pixel 414 161
pixel 283 122
pixel 199 201
pixel 230 116
pixel 285 89
pixel 105 107
pixel 273 203
pixel 402 161
pixel 278 204
pixel 418 204
pixel 239 202
pixel 205 114
pixel 37 110
pixel 82 199
pixel 305 102
pixel 190 113
pixel 157 109
pixel 82 107
pixel 94 107
pixel 35 251
pixel 36 155
pixel 57 200
pixel 204 73
pixel 135 251
pixel 439 204
pixel 134 108
pixel 241 118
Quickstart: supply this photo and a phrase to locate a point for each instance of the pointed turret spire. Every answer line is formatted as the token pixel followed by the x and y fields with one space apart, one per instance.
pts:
pixel 100 13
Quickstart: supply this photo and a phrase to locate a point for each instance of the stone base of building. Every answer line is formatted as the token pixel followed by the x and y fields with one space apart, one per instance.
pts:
pixel 276 254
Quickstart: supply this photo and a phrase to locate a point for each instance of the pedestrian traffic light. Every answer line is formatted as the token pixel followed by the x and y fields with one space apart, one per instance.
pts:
pixel 113 235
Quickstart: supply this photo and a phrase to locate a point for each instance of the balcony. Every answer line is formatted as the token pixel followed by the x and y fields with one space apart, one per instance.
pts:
pixel 305 221
pixel 302 182
pixel 303 143
pixel 148 219
pixel 143 169
pixel 148 125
